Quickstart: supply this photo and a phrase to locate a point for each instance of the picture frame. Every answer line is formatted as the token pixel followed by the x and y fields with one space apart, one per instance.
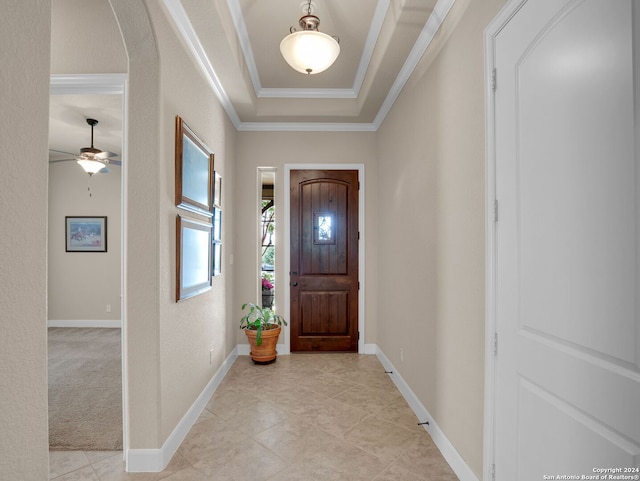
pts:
pixel 217 224
pixel 85 234
pixel 193 171
pixel 193 257
pixel 216 247
pixel 217 189
pixel 216 268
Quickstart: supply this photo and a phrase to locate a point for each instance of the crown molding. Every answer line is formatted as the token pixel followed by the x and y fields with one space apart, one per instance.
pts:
pixel 372 37
pixel 104 83
pixel 181 20
pixel 306 127
pixel 308 93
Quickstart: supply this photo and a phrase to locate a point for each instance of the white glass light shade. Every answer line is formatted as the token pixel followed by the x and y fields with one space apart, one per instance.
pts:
pixel 91 166
pixel 309 51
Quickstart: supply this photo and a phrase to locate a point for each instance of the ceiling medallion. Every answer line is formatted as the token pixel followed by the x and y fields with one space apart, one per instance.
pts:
pixel 309 50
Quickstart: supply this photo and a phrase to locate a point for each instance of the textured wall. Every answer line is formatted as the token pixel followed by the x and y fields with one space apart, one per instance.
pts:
pixel 24 103
pixel 190 328
pixel 81 284
pixel 275 149
pixel 431 164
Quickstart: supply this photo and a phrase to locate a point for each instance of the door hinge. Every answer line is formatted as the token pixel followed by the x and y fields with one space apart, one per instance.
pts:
pixel 492 471
pixel 494 79
pixel 495 344
pixel 358 335
pixel 495 210
pixel 358 285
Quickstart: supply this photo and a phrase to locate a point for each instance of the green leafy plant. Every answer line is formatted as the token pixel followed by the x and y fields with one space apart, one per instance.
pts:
pixel 259 319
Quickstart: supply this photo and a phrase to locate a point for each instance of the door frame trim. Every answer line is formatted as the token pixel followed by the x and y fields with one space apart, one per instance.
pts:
pixel 286 347
pixel 490 412
pixel 109 84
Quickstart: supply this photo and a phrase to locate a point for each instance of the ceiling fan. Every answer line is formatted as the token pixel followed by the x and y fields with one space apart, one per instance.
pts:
pixel 92 160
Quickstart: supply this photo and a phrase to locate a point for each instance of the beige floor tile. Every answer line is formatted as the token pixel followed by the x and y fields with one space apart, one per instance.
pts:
pixel 63 462
pixel 307 417
pixel 293 473
pixel 385 440
pixel 401 414
pixel 339 461
pixel 369 399
pixel 96 456
pixel 394 473
pixel 424 460
pixel 82 474
pixel 113 469
pixel 188 474
pixel 244 461
pixel 294 439
pixel 207 436
pixel 335 417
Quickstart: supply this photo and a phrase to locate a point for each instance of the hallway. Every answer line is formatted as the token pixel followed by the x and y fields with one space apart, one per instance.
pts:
pixel 307 417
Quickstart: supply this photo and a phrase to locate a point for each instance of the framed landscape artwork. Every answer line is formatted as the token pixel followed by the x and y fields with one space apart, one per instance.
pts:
pixel 194 171
pixel 86 234
pixel 193 257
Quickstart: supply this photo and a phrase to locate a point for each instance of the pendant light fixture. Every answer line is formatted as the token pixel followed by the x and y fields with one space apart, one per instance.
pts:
pixel 309 50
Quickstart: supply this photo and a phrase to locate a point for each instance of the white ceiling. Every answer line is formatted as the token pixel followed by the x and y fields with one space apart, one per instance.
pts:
pixel 236 44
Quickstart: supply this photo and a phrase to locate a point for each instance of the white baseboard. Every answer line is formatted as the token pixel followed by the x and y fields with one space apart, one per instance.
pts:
pixel 155 460
pixel 117 324
pixel 450 454
pixel 244 349
pixel 371 349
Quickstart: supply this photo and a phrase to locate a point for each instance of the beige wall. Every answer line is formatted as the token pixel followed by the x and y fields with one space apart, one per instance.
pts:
pixel 81 284
pixel 190 328
pixel 432 292
pixel 275 149
pixel 85 38
pixel 24 103
pixel 424 180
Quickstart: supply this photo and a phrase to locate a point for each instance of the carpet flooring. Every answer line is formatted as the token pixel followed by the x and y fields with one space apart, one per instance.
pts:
pixel 85 389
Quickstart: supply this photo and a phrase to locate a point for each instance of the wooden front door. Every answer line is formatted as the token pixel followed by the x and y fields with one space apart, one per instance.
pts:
pixel 324 260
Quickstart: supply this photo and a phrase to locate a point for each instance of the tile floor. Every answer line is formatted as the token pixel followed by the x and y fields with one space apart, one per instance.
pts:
pixel 306 417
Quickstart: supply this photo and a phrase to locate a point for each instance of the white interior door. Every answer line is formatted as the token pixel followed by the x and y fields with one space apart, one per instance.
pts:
pixel 567 369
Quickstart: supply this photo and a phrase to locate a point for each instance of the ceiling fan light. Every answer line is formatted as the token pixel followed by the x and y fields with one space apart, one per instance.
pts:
pixel 309 51
pixel 91 166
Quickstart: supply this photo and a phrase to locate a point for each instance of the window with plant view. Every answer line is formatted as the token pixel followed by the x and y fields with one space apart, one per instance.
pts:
pixel 267 241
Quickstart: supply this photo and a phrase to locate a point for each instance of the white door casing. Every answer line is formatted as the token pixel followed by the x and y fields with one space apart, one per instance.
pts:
pixel 563 256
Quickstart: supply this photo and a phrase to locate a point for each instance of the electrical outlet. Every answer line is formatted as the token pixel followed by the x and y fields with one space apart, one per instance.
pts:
pixel 401 355
pixel 211 356
pixel 108 307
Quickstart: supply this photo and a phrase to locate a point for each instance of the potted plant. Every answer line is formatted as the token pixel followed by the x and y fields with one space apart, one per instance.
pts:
pixel 267 291
pixel 262 327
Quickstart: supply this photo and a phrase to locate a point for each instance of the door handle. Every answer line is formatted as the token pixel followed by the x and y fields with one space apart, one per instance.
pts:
pixel 293 284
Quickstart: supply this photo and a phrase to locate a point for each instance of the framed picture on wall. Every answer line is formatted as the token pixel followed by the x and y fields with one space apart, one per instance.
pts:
pixel 193 257
pixel 216 247
pixel 86 234
pixel 194 171
pixel 217 189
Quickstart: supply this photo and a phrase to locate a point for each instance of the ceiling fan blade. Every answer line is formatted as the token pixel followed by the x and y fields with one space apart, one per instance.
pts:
pixel 116 162
pixel 61 160
pixel 61 152
pixel 105 155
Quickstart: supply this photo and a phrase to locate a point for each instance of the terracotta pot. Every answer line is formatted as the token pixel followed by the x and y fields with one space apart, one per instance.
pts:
pixel 266 352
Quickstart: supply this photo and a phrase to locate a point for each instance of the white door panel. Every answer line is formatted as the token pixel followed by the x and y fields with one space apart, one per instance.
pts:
pixel 566 311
